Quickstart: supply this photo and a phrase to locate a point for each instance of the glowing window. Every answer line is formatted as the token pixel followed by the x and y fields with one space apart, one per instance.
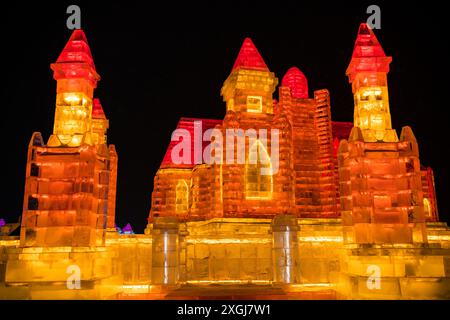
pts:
pixel 258 183
pixel 364 97
pixel 254 104
pixel 182 197
pixel 375 93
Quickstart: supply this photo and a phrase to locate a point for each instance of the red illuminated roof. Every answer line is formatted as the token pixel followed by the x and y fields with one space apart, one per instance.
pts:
pixel 368 55
pixel 75 61
pixel 249 57
pixel 297 82
pixel 188 124
pixel 367 44
pixel 97 109
pixel 77 50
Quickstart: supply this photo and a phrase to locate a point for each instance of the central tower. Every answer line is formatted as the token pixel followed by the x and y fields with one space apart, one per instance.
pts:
pixel 250 86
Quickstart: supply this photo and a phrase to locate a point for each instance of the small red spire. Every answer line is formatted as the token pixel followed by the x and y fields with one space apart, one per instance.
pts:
pixel 367 44
pixel 77 50
pixel 97 109
pixel 249 57
pixel 368 55
pixel 75 61
pixel 297 82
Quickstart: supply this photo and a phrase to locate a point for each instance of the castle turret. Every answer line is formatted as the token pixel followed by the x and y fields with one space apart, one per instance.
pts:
pixel 70 187
pixel 380 176
pixel 250 86
pixel 367 73
pixel 76 79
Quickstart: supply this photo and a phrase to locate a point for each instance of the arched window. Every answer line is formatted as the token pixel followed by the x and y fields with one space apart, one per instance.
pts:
pixel 182 197
pixel 258 173
pixel 427 207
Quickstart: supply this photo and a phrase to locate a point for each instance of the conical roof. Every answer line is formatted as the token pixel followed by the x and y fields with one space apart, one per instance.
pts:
pixel 249 57
pixel 75 61
pixel 368 55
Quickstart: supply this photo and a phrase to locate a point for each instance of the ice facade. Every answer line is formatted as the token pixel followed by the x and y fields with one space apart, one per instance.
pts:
pixel 344 210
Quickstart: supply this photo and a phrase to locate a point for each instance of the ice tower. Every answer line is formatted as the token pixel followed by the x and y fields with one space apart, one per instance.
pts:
pixel 70 187
pixel 71 179
pixel 380 177
pixel 367 73
pixel 76 78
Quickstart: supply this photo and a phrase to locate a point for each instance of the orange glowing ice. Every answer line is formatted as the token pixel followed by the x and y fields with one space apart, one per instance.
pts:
pixel 380 176
pixel 367 73
pixel 269 223
pixel 304 183
pixel 70 182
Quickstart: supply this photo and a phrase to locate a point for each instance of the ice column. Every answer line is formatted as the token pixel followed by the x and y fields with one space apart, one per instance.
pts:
pixel 165 251
pixel 285 249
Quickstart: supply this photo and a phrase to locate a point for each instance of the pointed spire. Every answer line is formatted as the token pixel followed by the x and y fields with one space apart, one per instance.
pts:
pixel 297 82
pixel 75 61
pixel 249 57
pixel 77 50
pixel 127 229
pixel 97 109
pixel 367 44
pixel 368 55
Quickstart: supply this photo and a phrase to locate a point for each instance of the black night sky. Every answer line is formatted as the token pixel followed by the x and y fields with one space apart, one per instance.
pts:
pixel 159 64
